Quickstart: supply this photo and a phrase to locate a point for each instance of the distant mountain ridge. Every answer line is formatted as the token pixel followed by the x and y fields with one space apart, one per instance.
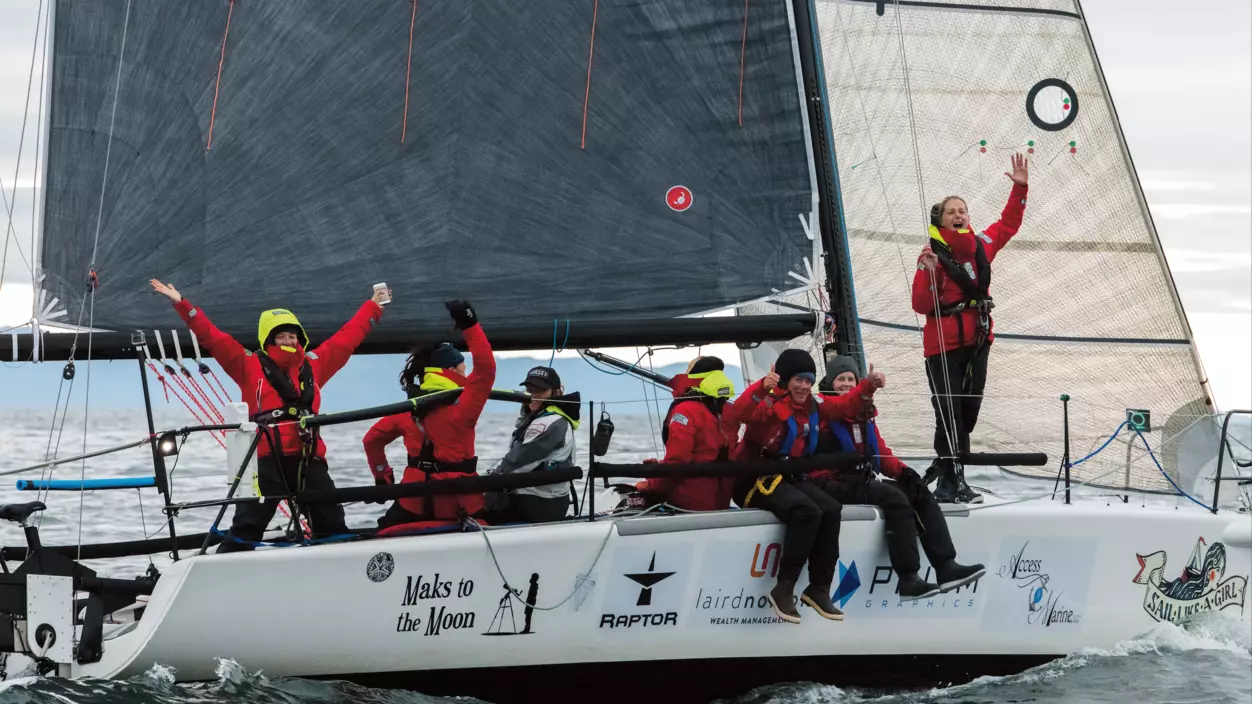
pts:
pixel 365 381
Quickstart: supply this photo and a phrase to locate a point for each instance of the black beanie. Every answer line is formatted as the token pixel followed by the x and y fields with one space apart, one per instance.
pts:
pixel 792 362
pixel 707 364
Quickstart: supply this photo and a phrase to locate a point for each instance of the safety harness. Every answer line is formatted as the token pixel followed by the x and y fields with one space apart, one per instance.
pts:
pixel 296 404
pixel 974 289
pixel 784 452
pixel 433 381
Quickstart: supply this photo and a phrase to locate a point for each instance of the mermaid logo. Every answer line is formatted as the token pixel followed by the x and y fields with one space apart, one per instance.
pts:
pixel 1199 588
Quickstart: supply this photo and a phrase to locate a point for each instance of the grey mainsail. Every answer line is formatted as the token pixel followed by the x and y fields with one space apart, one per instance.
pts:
pixel 663 172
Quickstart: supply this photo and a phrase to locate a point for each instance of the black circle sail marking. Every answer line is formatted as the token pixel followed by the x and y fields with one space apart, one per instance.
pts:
pixel 1070 115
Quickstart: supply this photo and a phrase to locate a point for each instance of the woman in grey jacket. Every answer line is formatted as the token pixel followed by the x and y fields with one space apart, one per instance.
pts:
pixel 544 439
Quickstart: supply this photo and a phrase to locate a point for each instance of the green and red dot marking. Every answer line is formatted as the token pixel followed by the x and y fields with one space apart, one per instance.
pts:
pixel 1065 104
pixel 1073 147
pixel 982 146
pixel 1030 146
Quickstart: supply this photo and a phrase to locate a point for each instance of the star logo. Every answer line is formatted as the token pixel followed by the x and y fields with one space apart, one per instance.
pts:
pixel 647 580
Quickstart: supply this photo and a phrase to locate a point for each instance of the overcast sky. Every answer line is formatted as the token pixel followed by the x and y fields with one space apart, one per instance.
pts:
pixel 1180 74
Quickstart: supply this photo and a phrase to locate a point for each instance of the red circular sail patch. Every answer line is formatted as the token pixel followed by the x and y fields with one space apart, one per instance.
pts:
pixel 678 198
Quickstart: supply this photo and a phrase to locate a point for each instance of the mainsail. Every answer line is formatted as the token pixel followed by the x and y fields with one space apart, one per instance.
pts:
pixel 929 99
pixel 595 159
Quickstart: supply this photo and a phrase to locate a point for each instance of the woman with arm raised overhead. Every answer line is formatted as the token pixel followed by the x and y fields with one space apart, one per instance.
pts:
pixel 951 287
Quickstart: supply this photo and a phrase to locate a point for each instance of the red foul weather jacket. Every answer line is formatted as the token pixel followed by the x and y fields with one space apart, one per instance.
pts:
pixel 242 366
pixel 766 414
pixel 450 430
pixel 385 432
pixel 888 463
pixel 993 239
pixel 695 435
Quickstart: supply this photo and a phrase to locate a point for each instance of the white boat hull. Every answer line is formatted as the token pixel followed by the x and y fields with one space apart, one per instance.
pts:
pixel 425 611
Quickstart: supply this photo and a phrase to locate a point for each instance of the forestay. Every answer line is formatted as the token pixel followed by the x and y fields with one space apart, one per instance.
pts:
pixel 588 159
pixel 1085 304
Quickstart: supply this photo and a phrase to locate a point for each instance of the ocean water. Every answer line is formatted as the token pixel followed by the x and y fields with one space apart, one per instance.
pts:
pixel 1208 660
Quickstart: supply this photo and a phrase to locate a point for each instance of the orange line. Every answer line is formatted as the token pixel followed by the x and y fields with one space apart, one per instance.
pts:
pixel 587 95
pixel 218 85
pixel 404 127
pixel 743 55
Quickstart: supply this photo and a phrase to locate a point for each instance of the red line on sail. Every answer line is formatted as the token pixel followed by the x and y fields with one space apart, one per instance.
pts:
pixel 587 95
pixel 218 84
pixel 404 127
pixel 743 55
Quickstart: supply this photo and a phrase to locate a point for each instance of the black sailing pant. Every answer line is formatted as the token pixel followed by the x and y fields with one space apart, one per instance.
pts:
pixel 507 507
pixel 812 520
pixel 252 518
pixel 910 512
pixel 962 384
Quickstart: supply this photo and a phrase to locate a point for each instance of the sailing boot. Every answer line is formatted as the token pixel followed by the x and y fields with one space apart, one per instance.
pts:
pixel 954 575
pixel 964 494
pixel 913 588
pixel 819 599
pixel 947 489
pixel 783 598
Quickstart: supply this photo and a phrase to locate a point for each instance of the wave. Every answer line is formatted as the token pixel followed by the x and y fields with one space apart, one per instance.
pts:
pixel 1207 660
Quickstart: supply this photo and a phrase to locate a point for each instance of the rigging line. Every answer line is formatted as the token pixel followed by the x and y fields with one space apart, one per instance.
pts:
pixel 743 58
pixel 921 194
pixel 882 184
pixel 108 149
pixel 82 473
pixel 34 192
pixel 64 412
pixel 408 69
pixel 656 396
pixel 216 84
pixel 11 203
pixel 595 13
pixel 651 424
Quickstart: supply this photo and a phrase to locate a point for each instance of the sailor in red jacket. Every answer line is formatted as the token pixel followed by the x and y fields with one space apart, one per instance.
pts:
pixel 694 432
pixel 383 433
pixel 951 287
pixel 783 419
pixel 447 430
pixel 281 382
pixel 906 503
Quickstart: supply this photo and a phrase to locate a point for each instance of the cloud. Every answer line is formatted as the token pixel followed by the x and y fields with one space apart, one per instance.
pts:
pixel 1182 211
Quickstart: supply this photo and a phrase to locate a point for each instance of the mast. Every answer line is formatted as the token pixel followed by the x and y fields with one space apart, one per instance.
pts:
pixel 837 254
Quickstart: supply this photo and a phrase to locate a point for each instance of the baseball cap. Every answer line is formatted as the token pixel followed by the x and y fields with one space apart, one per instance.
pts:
pixel 543 378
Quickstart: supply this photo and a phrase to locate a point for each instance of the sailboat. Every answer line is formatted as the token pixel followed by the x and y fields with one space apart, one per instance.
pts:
pixel 595 174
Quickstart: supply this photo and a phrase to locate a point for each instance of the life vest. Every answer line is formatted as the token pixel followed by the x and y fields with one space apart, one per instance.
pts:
pixel 296 405
pixel 843 437
pixel 793 431
pixel 975 290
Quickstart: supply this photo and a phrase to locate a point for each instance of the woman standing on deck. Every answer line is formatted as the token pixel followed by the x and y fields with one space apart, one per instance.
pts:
pixel 951 288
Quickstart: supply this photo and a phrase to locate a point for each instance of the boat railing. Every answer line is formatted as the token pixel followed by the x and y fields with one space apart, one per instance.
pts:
pixel 1223 447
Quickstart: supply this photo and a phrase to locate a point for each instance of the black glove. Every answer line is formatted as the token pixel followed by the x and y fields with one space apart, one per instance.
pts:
pixel 462 313
pixel 382 477
pixel 910 478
